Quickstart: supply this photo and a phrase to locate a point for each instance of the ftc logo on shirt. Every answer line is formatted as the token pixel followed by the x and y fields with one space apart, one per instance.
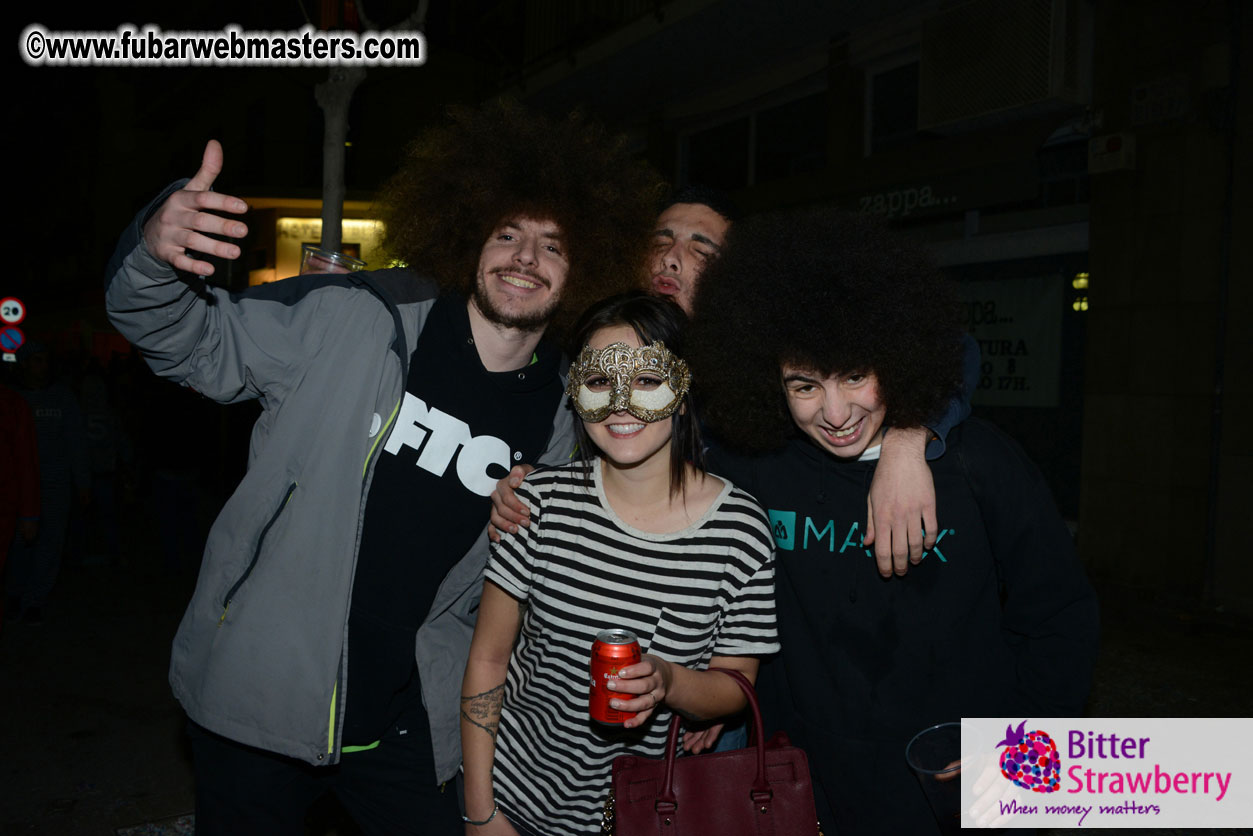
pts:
pixel 439 436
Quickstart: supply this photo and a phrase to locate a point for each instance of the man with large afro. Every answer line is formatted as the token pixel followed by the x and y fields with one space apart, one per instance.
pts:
pixel 392 401
pixel 459 181
pixel 813 333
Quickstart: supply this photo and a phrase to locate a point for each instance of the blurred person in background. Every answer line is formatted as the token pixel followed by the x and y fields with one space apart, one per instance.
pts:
pixel 19 489
pixel 64 475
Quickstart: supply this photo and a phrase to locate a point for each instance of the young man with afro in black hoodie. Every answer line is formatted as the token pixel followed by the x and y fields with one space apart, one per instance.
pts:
pixel 814 333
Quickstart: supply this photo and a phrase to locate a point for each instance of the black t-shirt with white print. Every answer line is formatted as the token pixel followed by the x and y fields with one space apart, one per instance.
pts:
pixel 457 432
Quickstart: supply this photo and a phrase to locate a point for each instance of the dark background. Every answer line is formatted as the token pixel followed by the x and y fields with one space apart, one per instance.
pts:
pixel 987 107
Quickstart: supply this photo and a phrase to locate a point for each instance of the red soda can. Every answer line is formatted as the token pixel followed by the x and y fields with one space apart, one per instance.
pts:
pixel 612 650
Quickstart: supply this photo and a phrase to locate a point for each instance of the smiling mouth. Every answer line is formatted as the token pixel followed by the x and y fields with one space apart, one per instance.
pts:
pixel 624 429
pixel 840 438
pixel 518 280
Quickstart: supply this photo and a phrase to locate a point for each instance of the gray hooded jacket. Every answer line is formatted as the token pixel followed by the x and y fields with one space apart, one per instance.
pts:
pixel 261 654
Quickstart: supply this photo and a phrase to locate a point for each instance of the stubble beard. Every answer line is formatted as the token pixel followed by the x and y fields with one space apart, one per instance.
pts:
pixel 531 321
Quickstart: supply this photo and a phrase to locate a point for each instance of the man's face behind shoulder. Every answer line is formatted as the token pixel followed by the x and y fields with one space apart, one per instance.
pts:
pixel 686 238
pixel 522 273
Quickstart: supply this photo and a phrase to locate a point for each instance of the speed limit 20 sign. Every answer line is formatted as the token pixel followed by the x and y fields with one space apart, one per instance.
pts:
pixel 12 311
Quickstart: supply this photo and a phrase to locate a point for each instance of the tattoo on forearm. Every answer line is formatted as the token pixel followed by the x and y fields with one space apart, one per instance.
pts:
pixel 483 710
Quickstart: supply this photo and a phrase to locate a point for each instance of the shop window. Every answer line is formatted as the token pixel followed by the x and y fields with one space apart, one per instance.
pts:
pixel 771 143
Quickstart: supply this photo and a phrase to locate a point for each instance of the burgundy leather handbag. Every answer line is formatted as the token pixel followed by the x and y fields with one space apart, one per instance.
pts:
pixel 761 790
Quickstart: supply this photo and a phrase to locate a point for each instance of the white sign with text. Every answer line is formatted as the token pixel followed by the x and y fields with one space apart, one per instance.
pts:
pixel 1138 772
pixel 1018 325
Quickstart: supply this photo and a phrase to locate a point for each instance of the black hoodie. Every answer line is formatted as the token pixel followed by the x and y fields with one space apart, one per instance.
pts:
pixel 997 620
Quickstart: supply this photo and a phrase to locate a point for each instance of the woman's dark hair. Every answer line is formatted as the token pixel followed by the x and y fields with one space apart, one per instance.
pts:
pixel 826 291
pixel 653 319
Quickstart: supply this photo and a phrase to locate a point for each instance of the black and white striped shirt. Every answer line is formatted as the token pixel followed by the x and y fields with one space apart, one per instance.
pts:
pixel 688 595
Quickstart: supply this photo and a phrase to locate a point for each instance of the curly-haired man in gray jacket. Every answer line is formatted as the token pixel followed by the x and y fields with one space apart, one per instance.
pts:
pixel 392 402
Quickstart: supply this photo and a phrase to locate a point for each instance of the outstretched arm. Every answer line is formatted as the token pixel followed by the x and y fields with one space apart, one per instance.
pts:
pixel 482 696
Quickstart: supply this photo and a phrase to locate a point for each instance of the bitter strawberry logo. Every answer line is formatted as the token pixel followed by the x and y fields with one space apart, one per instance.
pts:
pixel 1030 759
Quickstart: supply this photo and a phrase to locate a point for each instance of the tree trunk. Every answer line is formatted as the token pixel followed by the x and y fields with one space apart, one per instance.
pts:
pixel 334 96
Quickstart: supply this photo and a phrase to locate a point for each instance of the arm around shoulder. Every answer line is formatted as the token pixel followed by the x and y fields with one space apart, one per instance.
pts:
pixel 957 409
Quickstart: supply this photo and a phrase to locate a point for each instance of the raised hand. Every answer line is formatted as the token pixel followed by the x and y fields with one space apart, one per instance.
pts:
pixel 185 221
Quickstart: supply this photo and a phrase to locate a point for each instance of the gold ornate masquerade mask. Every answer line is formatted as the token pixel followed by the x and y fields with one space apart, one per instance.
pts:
pixel 648 382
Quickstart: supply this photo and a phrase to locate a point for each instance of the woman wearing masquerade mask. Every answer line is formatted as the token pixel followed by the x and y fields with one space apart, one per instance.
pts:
pixel 634 536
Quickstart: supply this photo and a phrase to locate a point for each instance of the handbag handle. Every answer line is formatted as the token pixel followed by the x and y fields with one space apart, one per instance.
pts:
pixel 760 791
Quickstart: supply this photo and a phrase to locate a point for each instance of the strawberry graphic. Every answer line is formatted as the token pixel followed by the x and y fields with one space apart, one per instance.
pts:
pixel 1030 759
